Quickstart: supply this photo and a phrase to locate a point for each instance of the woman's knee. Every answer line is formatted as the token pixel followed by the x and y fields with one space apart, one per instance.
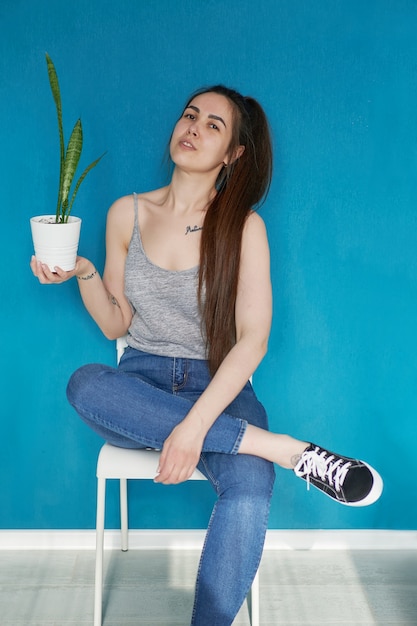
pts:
pixel 84 381
pixel 244 501
pixel 259 482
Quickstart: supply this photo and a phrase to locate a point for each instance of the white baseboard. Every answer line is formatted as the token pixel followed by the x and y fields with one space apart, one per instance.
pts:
pixel 193 539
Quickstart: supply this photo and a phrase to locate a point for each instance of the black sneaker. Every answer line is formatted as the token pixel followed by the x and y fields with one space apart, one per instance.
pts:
pixel 348 481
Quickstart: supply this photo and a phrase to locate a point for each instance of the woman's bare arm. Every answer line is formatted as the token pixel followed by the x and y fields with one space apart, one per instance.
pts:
pixel 103 297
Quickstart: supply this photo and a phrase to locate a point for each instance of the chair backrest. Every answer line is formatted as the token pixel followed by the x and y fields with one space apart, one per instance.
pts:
pixel 121 344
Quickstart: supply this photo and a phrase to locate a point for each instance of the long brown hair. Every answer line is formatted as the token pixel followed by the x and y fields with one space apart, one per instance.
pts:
pixel 241 187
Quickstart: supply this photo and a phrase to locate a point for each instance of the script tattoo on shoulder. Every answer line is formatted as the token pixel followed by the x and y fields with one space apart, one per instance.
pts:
pixel 113 300
pixel 192 229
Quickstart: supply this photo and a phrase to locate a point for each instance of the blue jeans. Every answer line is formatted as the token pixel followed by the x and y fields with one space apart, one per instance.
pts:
pixel 137 405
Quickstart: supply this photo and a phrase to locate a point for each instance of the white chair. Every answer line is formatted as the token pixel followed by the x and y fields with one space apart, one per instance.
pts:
pixel 123 464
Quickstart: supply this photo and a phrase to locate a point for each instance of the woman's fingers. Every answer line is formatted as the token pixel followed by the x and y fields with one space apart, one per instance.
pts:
pixel 174 467
pixel 174 476
pixel 180 454
pixel 46 276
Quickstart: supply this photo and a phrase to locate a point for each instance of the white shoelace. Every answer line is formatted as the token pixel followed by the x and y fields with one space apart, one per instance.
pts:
pixel 319 465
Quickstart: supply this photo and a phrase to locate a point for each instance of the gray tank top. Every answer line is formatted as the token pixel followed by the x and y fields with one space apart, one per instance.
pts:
pixel 166 319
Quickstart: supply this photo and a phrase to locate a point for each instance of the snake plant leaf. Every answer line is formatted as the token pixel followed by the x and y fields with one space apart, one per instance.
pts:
pixel 72 158
pixel 80 180
pixel 56 94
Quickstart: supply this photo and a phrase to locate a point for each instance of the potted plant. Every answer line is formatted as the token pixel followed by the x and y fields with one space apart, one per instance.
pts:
pixel 55 237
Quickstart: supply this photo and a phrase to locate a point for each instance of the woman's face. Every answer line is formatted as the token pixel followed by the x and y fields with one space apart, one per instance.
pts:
pixel 202 136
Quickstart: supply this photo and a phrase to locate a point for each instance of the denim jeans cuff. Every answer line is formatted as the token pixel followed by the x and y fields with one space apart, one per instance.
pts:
pixel 242 430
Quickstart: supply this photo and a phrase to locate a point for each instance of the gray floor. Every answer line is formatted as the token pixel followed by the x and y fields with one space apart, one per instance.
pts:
pixel 154 588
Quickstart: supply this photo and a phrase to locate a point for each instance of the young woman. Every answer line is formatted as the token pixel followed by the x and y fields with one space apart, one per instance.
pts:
pixel 187 277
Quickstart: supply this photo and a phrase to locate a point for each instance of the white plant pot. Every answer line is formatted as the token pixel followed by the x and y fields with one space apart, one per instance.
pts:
pixel 56 245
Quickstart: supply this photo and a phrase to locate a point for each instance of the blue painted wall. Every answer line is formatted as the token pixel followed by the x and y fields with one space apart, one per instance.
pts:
pixel 339 83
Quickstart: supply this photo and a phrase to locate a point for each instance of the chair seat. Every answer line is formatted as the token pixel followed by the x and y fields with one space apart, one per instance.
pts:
pixel 114 462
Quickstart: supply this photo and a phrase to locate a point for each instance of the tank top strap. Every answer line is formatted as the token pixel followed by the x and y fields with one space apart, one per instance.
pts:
pixel 136 235
pixel 136 209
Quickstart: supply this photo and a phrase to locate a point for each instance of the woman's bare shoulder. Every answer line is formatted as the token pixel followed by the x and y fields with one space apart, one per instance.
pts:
pixel 254 226
pixel 120 217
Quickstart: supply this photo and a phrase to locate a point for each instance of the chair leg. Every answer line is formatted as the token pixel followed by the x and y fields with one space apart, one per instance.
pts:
pixel 253 601
pixel 123 513
pixel 98 590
